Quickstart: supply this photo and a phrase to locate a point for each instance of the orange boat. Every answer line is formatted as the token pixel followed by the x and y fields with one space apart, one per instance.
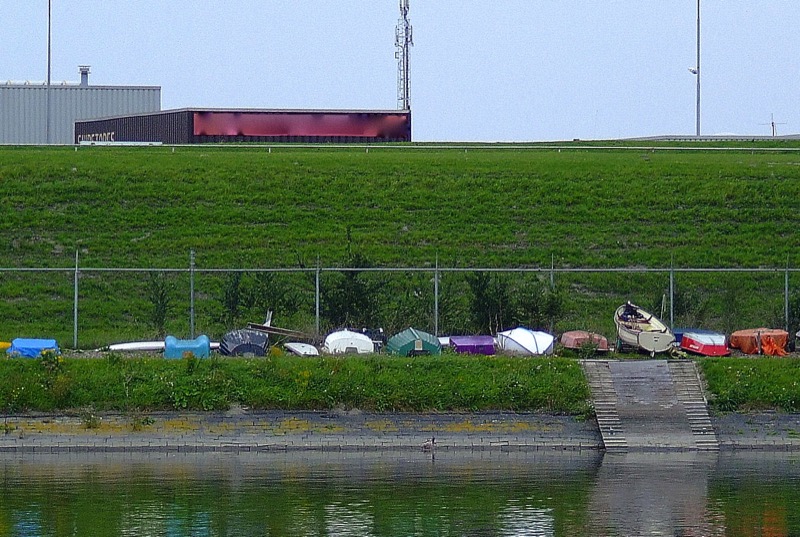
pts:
pixel 769 341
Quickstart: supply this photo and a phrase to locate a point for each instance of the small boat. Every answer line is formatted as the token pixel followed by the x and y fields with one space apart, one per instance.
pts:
pixel 135 346
pixel 704 342
pixel 525 341
pixel 301 349
pixel 245 342
pixel 769 341
pixel 578 339
pixel 175 349
pixel 32 348
pixel 144 346
pixel 638 328
pixel 348 342
pixel 473 344
pixel 413 342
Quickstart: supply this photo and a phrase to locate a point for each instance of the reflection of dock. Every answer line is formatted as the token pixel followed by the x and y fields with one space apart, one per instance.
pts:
pixel 654 494
pixel 650 405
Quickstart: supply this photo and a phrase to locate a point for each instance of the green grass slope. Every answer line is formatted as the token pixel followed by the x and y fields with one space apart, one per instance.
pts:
pixel 141 206
pixel 288 206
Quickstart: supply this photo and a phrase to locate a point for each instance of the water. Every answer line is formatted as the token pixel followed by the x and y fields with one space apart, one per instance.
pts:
pixel 413 494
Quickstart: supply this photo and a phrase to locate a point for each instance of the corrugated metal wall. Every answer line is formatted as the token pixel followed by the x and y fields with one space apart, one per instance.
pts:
pixel 23 109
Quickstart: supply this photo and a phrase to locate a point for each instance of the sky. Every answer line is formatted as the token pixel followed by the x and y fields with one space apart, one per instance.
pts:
pixel 502 70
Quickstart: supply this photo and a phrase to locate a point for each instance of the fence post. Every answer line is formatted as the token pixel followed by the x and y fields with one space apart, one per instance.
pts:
pixel 316 300
pixel 436 298
pixel 75 307
pixel 786 297
pixel 552 287
pixel 191 294
pixel 672 294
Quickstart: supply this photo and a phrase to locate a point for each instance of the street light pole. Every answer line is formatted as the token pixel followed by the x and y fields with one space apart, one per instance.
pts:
pixel 697 73
pixel 49 34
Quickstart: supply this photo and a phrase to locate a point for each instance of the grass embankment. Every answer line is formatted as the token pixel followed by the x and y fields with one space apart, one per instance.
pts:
pixel 752 384
pixel 375 383
pixel 250 208
pixel 504 208
pixel 379 383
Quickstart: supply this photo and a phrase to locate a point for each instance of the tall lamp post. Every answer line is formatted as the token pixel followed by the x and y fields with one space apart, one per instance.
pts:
pixel 697 68
pixel 49 33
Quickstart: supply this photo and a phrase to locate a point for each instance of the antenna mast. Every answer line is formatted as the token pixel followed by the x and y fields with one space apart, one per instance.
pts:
pixel 403 41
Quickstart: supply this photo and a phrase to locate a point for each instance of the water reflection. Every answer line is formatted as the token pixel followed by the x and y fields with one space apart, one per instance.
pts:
pixel 653 494
pixel 381 495
pixel 526 520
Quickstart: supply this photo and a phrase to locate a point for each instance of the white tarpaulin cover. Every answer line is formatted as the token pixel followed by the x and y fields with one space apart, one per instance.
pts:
pixel 525 341
pixel 346 341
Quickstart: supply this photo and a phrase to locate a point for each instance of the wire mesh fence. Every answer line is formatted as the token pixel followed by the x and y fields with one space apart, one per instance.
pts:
pixel 89 307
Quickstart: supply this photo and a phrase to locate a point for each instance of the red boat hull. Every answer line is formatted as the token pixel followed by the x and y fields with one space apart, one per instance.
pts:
pixel 575 339
pixel 705 344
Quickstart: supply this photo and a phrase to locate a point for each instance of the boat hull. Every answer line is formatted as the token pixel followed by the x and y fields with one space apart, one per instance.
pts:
pixel 655 341
pixel 301 349
pixel 348 342
pixel 704 343
pixel 767 341
pixel 473 344
pixel 576 339
pixel 144 346
pixel 638 328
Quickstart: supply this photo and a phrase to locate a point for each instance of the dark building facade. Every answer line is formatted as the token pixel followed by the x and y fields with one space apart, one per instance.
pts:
pixel 197 126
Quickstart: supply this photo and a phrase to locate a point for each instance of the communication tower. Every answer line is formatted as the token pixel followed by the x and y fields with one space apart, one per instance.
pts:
pixel 403 41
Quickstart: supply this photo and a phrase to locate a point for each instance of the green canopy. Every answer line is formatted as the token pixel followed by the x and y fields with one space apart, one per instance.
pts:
pixel 413 342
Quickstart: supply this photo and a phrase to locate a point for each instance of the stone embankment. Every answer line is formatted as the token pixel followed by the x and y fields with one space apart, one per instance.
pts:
pixel 242 430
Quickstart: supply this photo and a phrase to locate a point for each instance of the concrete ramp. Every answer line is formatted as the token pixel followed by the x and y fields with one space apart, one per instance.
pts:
pixel 650 405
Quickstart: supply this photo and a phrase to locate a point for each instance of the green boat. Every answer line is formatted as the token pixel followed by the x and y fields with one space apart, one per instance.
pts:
pixel 412 342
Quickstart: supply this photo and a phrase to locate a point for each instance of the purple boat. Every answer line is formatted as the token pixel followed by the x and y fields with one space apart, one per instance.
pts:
pixel 473 344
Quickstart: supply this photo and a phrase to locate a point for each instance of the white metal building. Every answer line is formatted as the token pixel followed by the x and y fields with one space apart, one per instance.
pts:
pixel 24 108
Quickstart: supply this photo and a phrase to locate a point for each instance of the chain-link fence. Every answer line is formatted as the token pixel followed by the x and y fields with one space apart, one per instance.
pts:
pixel 88 307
